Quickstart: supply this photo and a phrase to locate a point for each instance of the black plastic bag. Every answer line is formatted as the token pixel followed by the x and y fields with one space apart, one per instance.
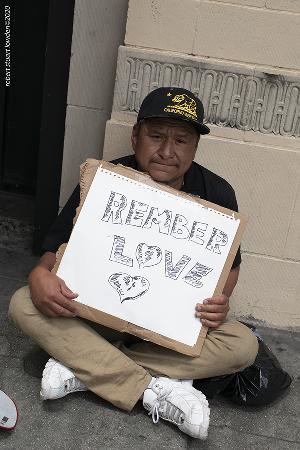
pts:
pixel 213 386
pixel 260 383
pixel 256 385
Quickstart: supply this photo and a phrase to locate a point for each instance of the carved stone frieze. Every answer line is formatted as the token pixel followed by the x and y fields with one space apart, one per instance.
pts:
pixel 232 96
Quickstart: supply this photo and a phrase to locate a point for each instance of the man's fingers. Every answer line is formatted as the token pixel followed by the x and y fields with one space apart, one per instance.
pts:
pixel 213 311
pixel 210 324
pixel 212 308
pixel 217 300
pixel 213 317
pixel 67 291
pixel 66 313
pixel 56 310
pixel 59 304
pixel 65 303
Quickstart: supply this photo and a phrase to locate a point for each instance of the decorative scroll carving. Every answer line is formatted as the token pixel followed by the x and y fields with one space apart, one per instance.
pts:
pixel 259 102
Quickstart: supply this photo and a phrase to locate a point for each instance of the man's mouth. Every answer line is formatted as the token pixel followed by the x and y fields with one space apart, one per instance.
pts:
pixel 161 163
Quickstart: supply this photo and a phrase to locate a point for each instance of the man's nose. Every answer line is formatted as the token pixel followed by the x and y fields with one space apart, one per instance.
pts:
pixel 166 149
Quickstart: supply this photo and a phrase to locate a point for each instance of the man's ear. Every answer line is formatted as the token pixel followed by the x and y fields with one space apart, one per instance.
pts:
pixel 196 144
pixel 134 136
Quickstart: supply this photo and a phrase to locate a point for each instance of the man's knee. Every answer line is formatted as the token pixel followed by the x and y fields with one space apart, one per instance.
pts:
pixel 19 305
pixel 245 347
pixel 236 346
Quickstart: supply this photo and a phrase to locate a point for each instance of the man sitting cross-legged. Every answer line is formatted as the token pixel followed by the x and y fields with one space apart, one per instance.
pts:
pixel 119 367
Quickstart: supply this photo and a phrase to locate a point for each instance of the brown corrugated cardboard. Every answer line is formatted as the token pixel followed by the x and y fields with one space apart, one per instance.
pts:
pixel 88 171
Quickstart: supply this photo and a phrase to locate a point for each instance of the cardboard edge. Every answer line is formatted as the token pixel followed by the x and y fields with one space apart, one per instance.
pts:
pixel 230 258
pixel 88 171
pixel 95 315
pixel 144 178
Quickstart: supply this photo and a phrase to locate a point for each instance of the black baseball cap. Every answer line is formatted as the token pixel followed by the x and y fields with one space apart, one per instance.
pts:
pixel 174 103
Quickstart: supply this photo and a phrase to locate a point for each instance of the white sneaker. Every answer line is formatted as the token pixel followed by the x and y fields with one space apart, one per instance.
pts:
pixel 186 382
pixel 59 381
pixel 180 404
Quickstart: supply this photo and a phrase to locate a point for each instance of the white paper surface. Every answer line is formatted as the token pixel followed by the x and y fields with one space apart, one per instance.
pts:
pixel 120 260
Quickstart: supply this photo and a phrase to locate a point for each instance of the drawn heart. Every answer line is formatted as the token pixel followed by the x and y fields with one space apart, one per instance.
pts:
pixel 148 255
pixel 128 287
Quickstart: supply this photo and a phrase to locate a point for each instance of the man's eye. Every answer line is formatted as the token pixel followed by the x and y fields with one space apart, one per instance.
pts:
pixel 181 141
pixel 155 136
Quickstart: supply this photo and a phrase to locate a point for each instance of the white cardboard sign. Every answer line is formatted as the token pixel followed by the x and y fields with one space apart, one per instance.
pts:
pixel 145 255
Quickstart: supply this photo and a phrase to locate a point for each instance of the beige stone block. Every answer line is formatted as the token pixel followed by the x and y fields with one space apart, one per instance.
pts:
pixel 285 5
pixel 124 117
pixel 163 24
pixel 268 290
pixel 98 30
pixel 253 137
pixel 84 135
pixel 265 180
pixel 117 140
pixel 248 34
pixel 257 3
pixel 292 249
pixel 292 75
pixel 226 132
pixel 272 140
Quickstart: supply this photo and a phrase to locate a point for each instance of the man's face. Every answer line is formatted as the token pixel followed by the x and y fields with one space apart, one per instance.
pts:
pixel 165 149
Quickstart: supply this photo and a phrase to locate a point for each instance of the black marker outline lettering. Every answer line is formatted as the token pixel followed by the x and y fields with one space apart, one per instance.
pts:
pixel 114 207
pixel 217 239
pixel 115 283
pixel 135 216
pixel 198 232
pixel 116 254
pixel 179 229
pixel 171 271
pixel 140 255
pixel 156 217
pixel 194 276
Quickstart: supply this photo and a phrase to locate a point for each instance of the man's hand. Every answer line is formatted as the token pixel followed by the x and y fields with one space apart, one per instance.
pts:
pixel 213 311
pixel 50 294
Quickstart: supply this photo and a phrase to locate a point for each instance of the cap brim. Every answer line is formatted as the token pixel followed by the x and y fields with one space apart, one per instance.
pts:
pixel 201 128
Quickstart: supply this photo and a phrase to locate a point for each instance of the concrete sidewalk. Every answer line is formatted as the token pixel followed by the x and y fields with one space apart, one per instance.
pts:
pixel 84 421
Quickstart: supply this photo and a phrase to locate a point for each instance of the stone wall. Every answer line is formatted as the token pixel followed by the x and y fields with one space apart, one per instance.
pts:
pixel 242 58
pixel 98 30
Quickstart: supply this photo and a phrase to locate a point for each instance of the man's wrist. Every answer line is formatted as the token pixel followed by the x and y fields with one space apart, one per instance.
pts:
pixel 39 269
pixel 46 262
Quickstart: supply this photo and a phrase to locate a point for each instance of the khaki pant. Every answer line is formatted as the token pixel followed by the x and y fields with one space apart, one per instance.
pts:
pixel 121 371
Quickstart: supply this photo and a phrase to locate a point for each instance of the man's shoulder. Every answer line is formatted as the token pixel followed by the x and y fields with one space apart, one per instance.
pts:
pixel 199 174
pixel 128 161
pixel 211 186
pixel 213 178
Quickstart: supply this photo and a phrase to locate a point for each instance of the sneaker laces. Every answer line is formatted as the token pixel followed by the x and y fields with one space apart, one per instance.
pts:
pixel 170 413
pixel 72 384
